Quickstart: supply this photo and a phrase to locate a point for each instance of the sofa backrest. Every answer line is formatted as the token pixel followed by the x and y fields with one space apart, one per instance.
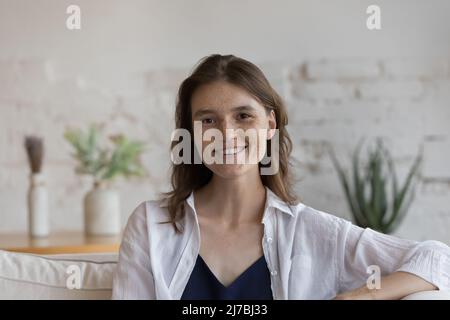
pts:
pixel 75 276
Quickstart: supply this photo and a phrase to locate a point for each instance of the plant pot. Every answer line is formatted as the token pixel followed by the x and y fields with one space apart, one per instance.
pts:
pixel 38 217
pixel 102 211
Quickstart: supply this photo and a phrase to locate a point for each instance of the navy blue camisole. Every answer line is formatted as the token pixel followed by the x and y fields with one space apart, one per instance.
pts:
pixel 252 284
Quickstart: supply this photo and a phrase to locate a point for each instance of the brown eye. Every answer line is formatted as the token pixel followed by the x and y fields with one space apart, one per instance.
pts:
pixel 244 116
pixel 207 121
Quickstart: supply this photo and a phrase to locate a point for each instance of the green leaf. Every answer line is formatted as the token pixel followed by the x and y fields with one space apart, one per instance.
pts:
pixel 105 163
pixel 368 198
pixel 359 190
pixel 359 219
pixel 399 197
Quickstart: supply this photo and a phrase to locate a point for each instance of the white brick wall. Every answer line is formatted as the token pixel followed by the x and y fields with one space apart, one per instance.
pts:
pixel 124 67
pixel 415 68
pixel 328 102
pixel 404 100
pixel 344 69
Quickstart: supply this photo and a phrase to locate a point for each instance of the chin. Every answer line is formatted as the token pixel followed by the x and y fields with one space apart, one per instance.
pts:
pixel 233 169
pixel 230 171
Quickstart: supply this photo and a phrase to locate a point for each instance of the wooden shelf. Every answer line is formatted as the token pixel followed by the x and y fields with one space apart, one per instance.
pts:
pixel 59 243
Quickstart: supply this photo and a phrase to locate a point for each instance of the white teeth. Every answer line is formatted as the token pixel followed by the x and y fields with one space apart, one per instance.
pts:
pixel 230 151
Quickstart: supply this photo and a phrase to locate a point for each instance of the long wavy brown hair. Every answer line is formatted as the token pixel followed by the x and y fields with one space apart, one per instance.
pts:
pixel 187 177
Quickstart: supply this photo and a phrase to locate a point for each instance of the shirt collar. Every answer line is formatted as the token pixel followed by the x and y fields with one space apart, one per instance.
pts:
pixel 272 201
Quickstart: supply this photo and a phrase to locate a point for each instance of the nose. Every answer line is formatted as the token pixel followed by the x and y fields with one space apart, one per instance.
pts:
pixel 231 133
pixel 228 129
pixel 227 125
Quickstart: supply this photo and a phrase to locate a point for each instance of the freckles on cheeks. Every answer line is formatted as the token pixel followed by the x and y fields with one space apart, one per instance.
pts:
pixel 222 101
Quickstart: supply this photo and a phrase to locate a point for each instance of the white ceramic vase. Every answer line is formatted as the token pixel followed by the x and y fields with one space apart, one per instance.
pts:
pixel 102 211
pixel 38 216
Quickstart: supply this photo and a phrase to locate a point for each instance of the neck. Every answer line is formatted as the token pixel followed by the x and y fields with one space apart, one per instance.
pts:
pixel 233 201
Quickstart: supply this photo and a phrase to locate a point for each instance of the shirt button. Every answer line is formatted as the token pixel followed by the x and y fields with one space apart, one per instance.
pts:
pixel 274 272
pixel 269 240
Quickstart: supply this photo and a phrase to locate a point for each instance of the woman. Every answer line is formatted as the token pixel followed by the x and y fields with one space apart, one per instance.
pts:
pixel 228 231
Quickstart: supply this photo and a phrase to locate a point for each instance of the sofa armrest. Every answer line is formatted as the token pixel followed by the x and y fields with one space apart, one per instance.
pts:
pixel 429 295
pixel 28 276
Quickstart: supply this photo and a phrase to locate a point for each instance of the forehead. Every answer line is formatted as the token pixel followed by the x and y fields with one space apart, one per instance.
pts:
pixel 221 95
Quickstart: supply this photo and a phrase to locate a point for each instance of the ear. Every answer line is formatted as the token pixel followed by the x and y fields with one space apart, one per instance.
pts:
pixel 272 125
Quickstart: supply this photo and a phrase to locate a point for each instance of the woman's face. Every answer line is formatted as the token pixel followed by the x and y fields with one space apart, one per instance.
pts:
pixel 239 120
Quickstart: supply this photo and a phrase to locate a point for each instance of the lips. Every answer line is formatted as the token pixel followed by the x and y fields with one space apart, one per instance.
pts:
pixel 231 151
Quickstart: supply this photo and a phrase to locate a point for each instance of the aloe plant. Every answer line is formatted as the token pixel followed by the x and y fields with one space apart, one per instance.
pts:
pixel 372 190
pixel 105 163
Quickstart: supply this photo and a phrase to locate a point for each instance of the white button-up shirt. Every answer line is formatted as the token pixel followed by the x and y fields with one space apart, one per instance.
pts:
pixel 310 254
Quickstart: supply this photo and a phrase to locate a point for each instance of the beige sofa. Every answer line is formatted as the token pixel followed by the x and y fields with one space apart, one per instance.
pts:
pixel 27 276
pixel 87 276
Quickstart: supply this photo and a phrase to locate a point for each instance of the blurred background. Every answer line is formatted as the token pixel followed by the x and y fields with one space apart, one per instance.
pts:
pixel 341 82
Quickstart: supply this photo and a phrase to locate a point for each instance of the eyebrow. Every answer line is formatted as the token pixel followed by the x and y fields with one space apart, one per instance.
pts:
pixel 239 108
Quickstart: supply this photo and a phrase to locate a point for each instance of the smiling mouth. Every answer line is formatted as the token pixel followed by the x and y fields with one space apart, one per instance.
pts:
pixel 232 151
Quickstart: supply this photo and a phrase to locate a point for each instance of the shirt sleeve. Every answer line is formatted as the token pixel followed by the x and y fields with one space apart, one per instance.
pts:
pixel 363 248
pixel 133 278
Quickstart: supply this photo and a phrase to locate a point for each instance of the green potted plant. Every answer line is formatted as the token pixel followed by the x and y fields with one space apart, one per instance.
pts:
pixel 104 163
pixel 372 191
